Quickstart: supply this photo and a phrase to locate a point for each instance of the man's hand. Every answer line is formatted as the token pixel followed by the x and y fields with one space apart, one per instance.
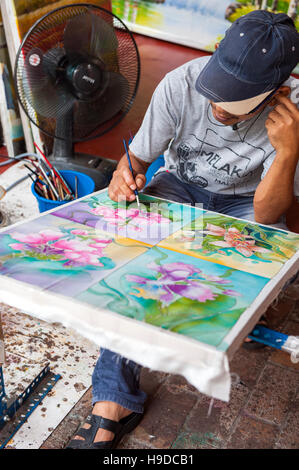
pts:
pixel 283 128
pixel 123 184
pixel 274 195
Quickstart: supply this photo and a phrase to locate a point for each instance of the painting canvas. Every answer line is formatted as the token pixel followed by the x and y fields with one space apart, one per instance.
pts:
pixel 62 256
pixel 194 23
pixel 180 298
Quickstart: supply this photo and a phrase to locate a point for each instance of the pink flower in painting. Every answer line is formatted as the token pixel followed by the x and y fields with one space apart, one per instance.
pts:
pixel 135 217
pixel 82 252
pixel 34 240
pixel 186 236
pixel 109 214
pixel 68 245
pixel 44 236
pixel 18 246
pixel 215 230
pixel 84 258
pixel 62 246
pixel 99 244
pixel 233 238
pixel 83 233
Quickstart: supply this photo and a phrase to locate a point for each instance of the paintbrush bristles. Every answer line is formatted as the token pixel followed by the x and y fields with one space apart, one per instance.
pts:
pixel 48 181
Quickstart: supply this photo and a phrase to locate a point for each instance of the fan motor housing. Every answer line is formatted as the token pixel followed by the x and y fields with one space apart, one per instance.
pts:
pixel 86 79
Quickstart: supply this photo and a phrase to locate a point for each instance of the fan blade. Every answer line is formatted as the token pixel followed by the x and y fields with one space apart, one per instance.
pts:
pixel 89 35
pixel 47 98
pixel 88 116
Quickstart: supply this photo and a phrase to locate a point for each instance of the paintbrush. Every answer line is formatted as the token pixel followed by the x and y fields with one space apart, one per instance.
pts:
pixel 38 182
pixel 76 187
pixel 56 173
pixel 49 182
pixel 34 181
pixel 131 169
pixel 39 176
pixel 33 172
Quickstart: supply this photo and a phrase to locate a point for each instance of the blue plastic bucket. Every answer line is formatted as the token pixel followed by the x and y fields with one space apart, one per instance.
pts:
pixel 86 186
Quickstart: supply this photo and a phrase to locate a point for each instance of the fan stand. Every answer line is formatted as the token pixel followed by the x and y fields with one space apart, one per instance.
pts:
pixel 98 168
pixel 63 157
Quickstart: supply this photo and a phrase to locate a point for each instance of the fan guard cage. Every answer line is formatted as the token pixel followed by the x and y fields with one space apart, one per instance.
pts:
pixel 47 34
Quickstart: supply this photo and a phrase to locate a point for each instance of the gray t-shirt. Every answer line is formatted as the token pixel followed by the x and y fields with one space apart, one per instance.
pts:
pixel 197 148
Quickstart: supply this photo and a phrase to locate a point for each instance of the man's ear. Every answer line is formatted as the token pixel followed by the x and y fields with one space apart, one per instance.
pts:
pixel 282 91
pixel 216 45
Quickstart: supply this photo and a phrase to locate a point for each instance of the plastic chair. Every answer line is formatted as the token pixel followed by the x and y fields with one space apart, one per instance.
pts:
pixel 153 168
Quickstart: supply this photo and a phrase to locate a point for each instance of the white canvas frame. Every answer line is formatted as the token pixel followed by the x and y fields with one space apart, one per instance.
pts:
pixel 204 366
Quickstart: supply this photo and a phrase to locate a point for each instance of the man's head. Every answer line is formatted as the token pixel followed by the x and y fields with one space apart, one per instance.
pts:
pixel 256 56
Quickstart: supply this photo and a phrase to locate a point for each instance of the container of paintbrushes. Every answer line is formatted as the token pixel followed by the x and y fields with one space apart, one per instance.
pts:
pixel 50 192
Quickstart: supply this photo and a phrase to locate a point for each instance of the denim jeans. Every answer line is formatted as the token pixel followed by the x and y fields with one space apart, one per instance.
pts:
pixel 116 378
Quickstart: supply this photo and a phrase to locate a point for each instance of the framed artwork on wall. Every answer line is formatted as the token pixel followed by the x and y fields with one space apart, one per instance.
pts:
pixel 194 23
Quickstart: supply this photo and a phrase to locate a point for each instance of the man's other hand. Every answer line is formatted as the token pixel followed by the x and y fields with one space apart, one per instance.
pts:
pixel 283 128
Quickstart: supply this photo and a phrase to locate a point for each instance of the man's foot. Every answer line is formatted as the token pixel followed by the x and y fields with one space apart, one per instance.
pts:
pixel 110 410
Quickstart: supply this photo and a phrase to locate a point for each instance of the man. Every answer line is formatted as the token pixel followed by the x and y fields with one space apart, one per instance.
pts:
pixel 224 147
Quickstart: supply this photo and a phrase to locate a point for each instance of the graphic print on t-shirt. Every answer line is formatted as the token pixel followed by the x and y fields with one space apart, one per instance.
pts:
pixel 211 160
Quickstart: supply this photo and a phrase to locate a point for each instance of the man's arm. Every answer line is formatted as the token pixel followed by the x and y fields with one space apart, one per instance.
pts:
pixel 152 139
pixel 123 184
pixel 274 195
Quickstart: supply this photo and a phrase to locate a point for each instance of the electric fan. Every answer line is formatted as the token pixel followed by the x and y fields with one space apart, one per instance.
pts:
pixel 76 76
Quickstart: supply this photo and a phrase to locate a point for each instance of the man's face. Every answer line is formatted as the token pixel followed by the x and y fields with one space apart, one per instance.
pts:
pixel 230 119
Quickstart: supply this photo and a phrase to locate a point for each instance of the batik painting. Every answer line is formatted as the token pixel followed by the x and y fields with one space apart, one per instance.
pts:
pixel 62 256
pixel 170 286
pixel 257 249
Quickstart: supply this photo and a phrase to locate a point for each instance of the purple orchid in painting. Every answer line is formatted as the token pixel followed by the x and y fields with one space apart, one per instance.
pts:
pixel 75 248
pixel 175 280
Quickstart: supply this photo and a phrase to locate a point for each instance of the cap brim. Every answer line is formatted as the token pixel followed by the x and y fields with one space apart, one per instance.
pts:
pixel 221 87
pixel 245 106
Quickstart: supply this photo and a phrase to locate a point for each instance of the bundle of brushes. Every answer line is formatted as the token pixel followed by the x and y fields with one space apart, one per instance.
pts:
pixel 48 182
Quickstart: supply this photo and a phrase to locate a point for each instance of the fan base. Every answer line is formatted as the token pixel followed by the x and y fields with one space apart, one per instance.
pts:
pixel 98 168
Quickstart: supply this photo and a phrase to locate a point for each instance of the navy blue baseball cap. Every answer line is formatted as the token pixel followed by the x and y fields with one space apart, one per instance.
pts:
pixel 257 54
